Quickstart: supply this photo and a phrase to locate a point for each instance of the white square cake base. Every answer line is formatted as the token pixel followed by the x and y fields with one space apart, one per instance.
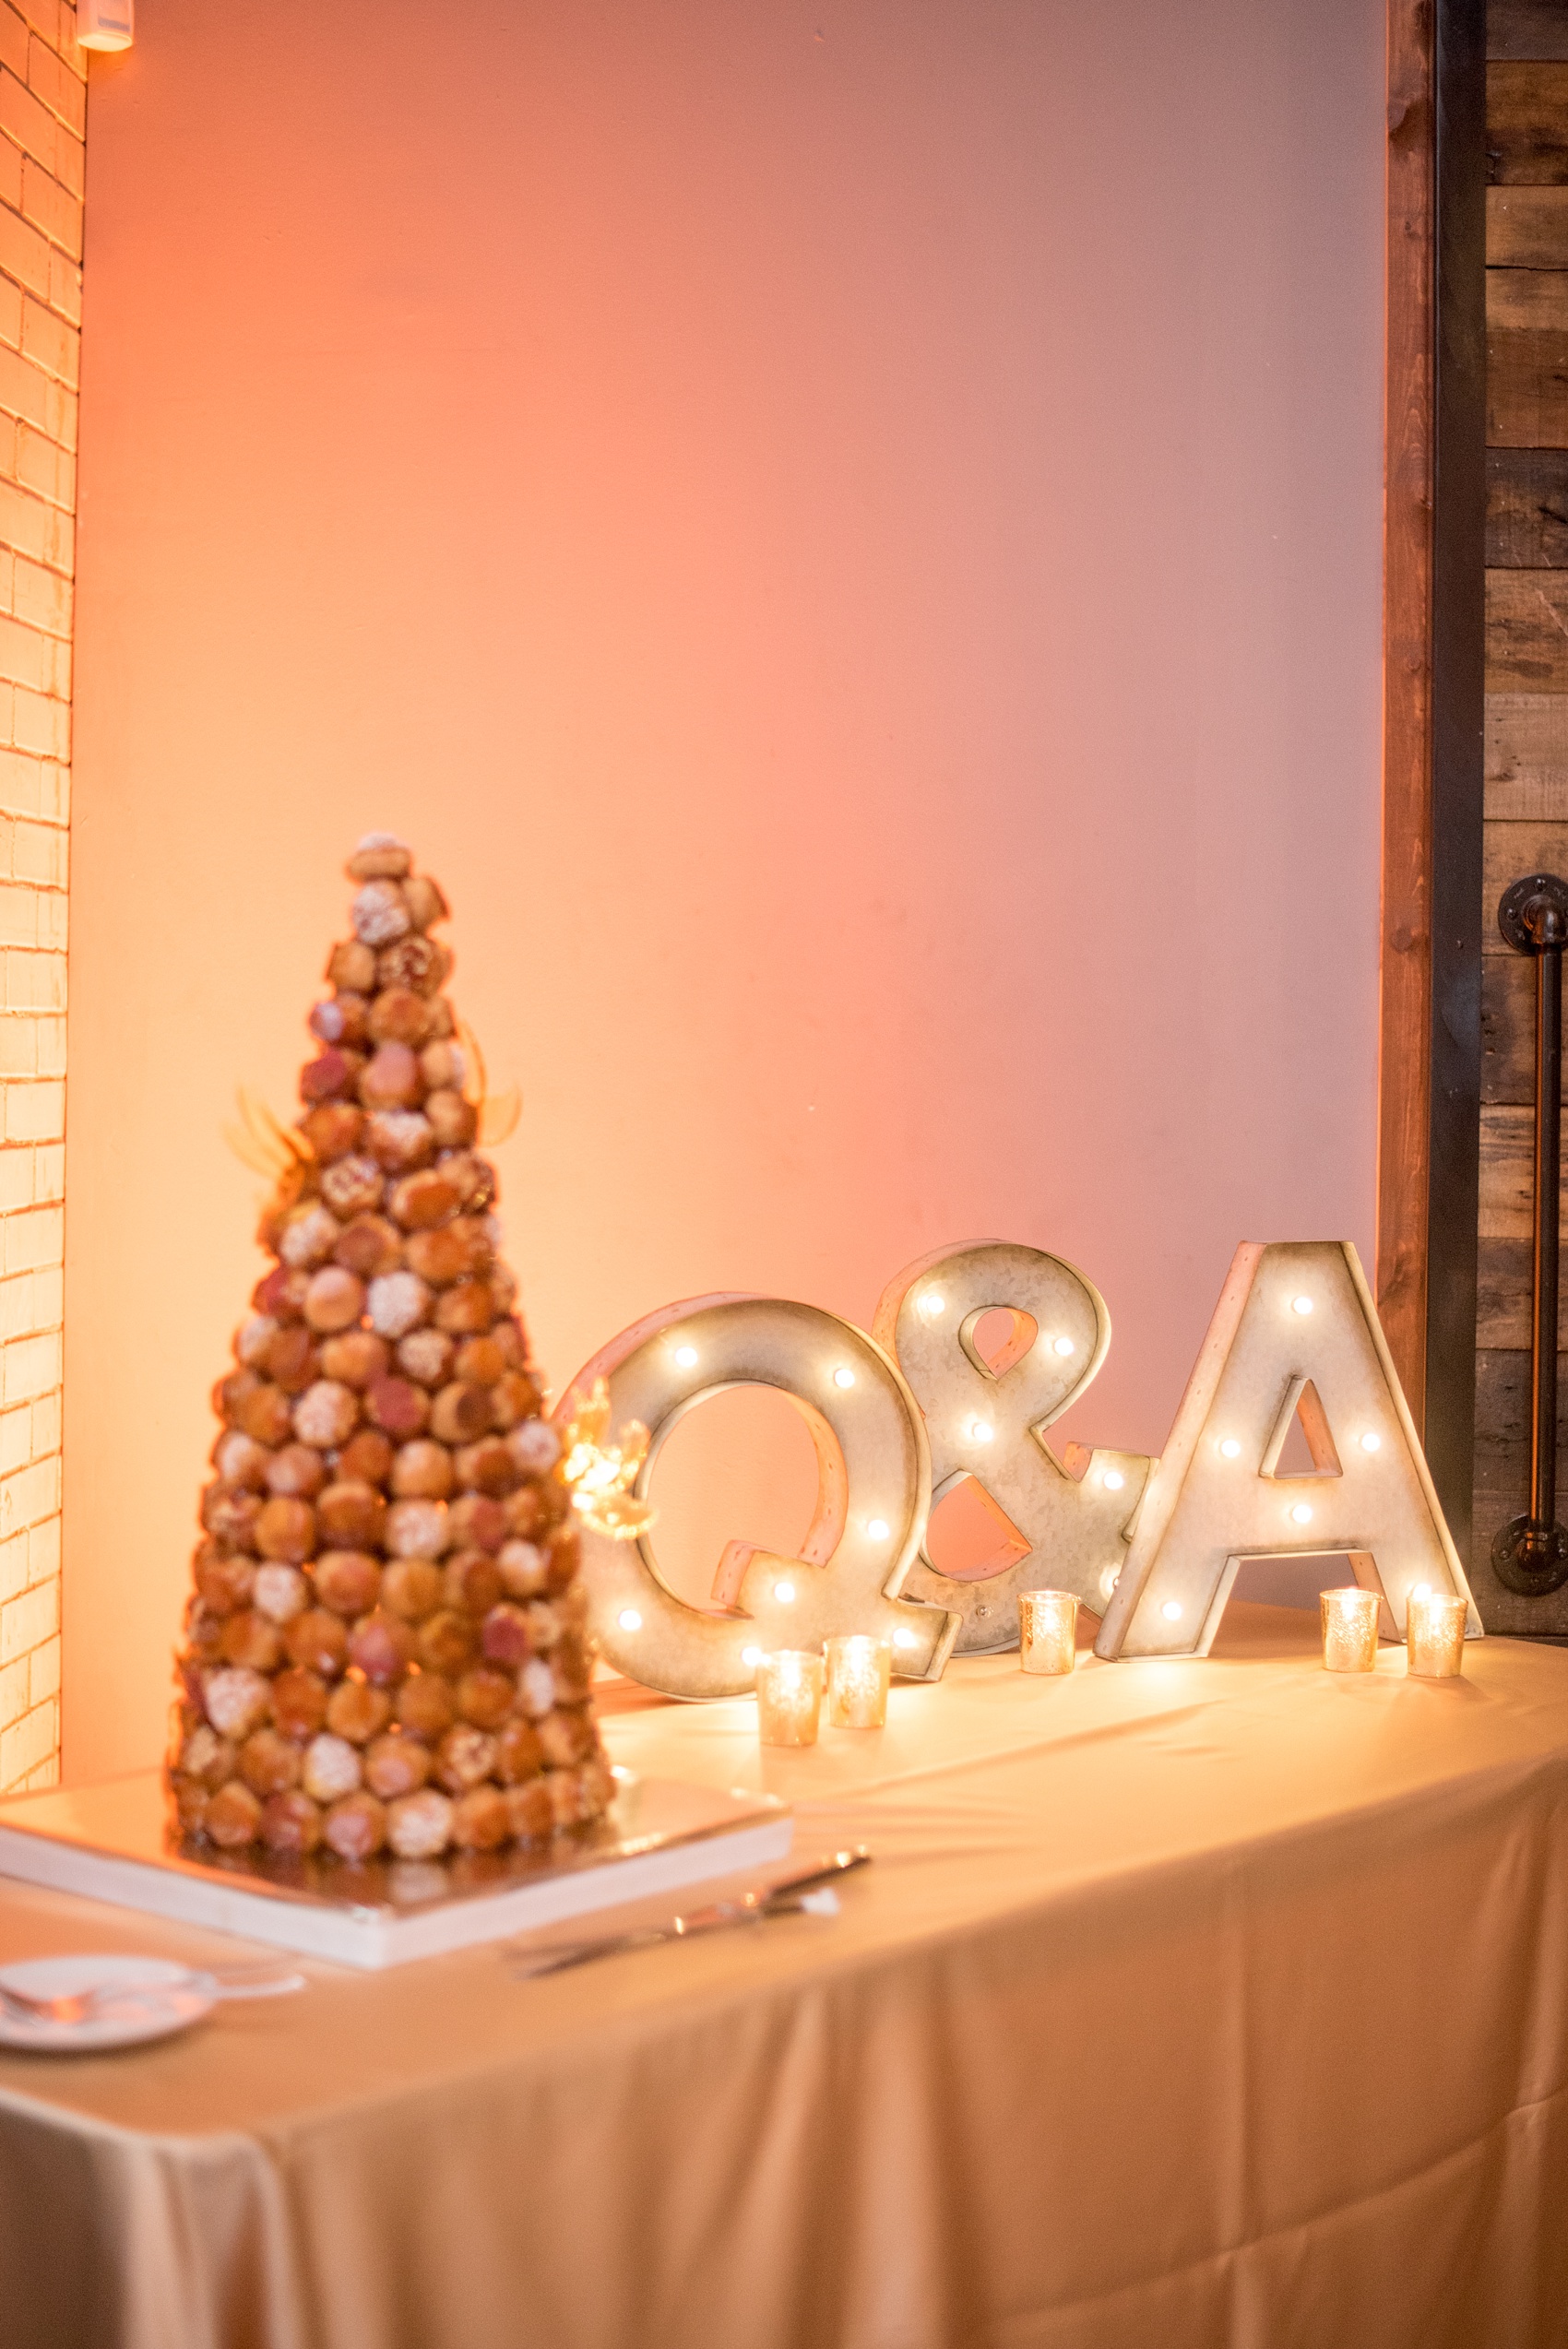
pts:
pixel 111 1842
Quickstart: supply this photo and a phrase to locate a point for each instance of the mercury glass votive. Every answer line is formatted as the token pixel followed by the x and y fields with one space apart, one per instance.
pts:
pixel 858 1672
pixel 789 1696
pixel 1048 1631
pixel 1434 1635
pixel 1350 1629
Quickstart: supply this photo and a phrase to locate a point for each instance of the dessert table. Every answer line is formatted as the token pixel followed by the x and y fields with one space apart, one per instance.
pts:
pixel 1185 2003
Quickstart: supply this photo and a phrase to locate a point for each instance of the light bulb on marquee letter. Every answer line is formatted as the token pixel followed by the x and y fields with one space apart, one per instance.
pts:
pixel 873 1490
pixel 987 1419
pixel 1295 1338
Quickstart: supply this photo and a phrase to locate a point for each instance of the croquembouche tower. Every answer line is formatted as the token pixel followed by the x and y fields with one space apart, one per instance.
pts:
pixel 384 1646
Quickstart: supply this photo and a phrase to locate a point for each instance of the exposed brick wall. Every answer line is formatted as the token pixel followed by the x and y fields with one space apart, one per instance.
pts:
pixel 43 125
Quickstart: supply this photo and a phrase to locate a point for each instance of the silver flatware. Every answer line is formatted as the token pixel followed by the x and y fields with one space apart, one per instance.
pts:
pixel 812 1894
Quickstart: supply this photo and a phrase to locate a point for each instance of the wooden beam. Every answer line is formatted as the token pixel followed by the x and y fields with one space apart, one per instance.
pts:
pixel 1405 979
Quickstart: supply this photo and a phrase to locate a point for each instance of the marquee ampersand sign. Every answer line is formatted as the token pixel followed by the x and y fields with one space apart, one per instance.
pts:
pixel 986 1419
pixel 874 1491
pixel 1295 1336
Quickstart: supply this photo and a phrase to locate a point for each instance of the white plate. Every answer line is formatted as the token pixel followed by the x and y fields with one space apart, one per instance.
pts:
pixel 151 2000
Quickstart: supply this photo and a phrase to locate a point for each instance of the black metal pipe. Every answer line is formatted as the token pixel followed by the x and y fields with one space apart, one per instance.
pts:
pixel 1530 1553
pixel 1550 935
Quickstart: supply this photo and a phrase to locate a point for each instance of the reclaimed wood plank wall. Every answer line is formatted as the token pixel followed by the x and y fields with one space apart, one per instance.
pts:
pixel 1527 719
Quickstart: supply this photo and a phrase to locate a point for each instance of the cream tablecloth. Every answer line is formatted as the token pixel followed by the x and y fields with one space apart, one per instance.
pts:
pixel 1186 2004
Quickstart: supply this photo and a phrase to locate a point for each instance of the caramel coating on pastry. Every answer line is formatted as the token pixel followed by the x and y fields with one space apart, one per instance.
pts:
pixel 233 1817
pixel 476 1522
pixel 349 1582
pixel 398 1406
pixel 290 1822
pixel 206 1756
pixel 224 1582
pixel 350 1515
pixel 335 1298
pixel 422 1201
pixel 417 963
pixel 229 1515
pixel 485 1697
pixel 422 1470
pixel 370 1246
pixel 473 1581
pixel 448 1641
pixel 530 1814
pixel 443 1067
pixel 264 1413
pixel 396 1765
pixel 248 1639
pixel 356 1827
pixel 425 1706
pixel 379 856
pixel 453 1121
pixel 367 1459
pixel 332 1130
pixel 292 1358
pixel 268 1763
pixel 411 1588
pixel 450 1251
pixel 358 1712
pixel 399 1016
pixel 505 1637
pixel 460 1414
pixel 286 1529
pixel 519 1754
pixel 351 968
pixel 390 1079
pixel 281 1293
pixel 524 1569
pixel 480 1362
pixel 479 1820
pixel 299 1699
pixel 568 1738
pixel 381 1647
pixel 489 1467
pixel 317 1643
pixel 355 1358
pixel 298 1471
pixel 469 1306
pixel 425 903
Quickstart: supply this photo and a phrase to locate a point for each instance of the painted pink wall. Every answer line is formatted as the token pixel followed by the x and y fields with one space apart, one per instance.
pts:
pixel 848 538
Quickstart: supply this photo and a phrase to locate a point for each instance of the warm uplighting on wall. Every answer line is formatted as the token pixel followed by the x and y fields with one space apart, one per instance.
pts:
pixel 106 24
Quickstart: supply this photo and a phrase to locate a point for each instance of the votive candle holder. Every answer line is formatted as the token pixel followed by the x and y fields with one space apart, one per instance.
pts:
pixel 859 1669
pixel 1048 1631
pixel 1434 1635
pixel 1350 1629
pixel 789 1696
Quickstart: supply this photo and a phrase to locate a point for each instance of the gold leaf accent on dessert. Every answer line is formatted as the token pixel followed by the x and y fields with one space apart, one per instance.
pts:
pixel 262 1144
pixel 497 1113
pixel 601 1473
